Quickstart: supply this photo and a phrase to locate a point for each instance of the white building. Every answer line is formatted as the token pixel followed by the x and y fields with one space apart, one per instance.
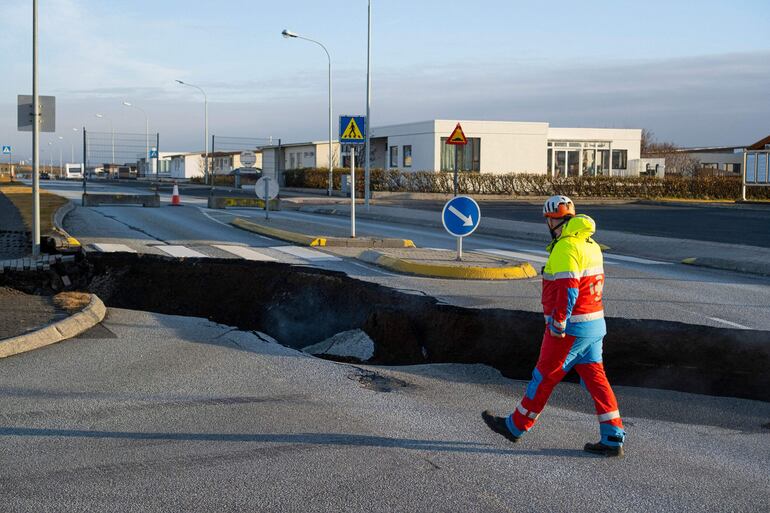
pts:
pixel 184 166
pixel 507 147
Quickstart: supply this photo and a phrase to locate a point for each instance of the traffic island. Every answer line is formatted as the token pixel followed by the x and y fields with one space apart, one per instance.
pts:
pixel 57 318
pixel 436 263
pixel 301 232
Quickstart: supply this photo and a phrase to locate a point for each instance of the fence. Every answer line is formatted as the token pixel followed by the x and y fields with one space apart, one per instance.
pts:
pixel 113 153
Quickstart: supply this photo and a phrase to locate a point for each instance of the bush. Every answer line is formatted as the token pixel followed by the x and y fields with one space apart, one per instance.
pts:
pixel 514 184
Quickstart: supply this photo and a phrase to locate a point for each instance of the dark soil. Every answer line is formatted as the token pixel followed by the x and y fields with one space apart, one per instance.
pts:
pixel 302 306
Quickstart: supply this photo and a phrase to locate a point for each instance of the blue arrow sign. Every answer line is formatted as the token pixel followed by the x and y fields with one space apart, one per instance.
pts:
pixel 461 216
pixel 6 150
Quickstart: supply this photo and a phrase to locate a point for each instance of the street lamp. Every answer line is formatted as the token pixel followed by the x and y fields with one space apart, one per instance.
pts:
pixel 205 130
pixel 146 136
pixel 112 132
pixel 291 35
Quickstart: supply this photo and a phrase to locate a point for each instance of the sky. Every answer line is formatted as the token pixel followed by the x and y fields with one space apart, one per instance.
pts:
pixel 695 74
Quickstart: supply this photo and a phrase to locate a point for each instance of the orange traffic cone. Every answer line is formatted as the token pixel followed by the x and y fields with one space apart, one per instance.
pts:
pixel 176 201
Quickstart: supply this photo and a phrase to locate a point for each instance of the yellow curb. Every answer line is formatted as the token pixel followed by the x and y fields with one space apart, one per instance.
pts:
pixel 308 240
pixel 604 247
pixel 72 241
pixel 517 272
pixel 276 233
pixel 70 327
pixel 689 261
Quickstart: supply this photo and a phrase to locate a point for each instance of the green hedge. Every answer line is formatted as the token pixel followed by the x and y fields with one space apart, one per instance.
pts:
pixel 513 184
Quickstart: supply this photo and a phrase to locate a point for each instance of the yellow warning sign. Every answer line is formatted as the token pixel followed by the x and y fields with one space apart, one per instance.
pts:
pixel 458 136
pixel 352 132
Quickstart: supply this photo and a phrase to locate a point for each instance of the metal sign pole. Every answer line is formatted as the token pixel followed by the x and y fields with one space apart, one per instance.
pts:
pixel 457 168
pixel 267 199
pixel 353 192
pixel 459 249
pixel 35 141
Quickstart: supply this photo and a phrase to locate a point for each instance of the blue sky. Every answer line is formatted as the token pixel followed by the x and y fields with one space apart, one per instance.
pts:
pixel 695 74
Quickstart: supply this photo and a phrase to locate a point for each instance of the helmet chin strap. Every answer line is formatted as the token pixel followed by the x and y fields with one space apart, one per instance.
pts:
pixel 553 230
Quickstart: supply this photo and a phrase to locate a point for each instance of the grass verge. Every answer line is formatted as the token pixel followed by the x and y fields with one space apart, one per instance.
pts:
pixel 21 197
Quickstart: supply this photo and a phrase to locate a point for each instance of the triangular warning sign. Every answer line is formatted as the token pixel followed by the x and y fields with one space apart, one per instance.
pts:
pixel 352 132
pixel 458 136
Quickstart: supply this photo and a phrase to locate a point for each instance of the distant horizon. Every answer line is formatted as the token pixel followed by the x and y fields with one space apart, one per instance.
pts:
pixel 501 62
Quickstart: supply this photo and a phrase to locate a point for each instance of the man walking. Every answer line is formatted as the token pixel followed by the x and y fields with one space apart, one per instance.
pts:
pixel 573 280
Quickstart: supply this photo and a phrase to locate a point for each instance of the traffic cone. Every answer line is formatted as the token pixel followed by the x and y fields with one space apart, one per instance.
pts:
pixel 176 201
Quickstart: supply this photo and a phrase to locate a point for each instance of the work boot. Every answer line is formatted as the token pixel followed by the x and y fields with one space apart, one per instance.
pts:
pixel 498 425
pixel 605 450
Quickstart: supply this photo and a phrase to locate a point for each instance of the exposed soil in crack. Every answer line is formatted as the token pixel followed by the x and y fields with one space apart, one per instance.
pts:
pixel 300 306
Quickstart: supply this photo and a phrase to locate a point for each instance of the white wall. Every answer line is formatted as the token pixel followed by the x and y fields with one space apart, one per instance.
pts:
pixel 505 146
pixel 187 166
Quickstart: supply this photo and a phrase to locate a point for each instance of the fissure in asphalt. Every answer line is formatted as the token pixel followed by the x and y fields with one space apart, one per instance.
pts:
pixel 300 306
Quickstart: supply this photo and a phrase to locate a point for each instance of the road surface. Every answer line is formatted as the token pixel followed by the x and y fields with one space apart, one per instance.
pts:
pixel 154 413
pixel 636 287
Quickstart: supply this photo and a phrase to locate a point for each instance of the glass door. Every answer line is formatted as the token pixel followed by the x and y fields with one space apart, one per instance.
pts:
pixel 573 162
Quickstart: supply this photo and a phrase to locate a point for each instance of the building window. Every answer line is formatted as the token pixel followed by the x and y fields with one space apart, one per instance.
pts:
pixel 619 159
pixel 394 156
pixel 469 156
pixel 408 156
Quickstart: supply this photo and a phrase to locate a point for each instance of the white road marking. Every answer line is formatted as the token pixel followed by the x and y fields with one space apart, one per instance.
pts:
pixel 112 248
pixel 511 254
pixel 203 211
pixel 247 253
pixel 307 254
pixel 729 323
pixel 635 260
pixel 181 252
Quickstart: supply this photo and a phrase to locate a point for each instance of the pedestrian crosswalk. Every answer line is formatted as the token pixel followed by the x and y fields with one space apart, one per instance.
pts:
pixel 305 255
pixel 288 254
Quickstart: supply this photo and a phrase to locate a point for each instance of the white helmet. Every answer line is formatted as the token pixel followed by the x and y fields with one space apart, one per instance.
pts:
pixel 558 207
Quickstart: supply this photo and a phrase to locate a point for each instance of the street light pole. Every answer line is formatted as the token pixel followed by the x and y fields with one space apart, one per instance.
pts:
pixel 205 131
pixel 146 136
pixel 367 149
pixel 35 141
pixel 61 163
pixel 289 34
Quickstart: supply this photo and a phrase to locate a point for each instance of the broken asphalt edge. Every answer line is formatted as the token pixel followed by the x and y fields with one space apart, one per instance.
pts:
pixel 70 327
pixel 519 271
pixel 317 241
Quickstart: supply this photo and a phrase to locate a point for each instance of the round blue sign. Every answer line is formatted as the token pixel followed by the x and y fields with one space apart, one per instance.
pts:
pixel 461 216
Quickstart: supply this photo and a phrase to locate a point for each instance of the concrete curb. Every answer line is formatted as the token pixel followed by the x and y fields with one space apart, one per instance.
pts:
pixel 514 272
pixel 70 327
pixel 310 240
pixel 761 269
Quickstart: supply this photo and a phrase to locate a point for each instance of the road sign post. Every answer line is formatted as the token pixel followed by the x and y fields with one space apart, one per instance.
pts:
pixel 267 190
pixel 352 132
pixel 457 138
pixel 461 216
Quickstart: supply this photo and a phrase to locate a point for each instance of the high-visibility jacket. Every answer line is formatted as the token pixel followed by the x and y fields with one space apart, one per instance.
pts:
pixel 573 281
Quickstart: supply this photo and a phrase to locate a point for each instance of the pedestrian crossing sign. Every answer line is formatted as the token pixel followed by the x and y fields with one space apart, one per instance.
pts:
pixel 352 129
pixel 458 137
pixel 6 150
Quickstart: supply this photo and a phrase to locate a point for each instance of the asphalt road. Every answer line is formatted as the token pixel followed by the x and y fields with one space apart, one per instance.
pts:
pixel 749 224
pixel 731 224
pixel 156 413
pixel 636 288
